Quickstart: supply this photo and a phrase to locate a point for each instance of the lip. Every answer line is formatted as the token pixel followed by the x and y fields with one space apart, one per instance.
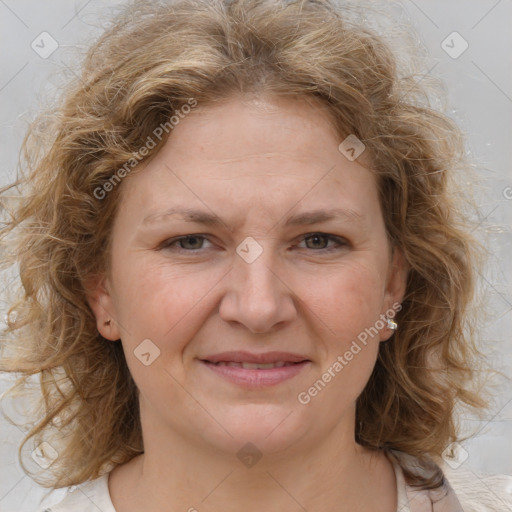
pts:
pixel 249 357
pixel 256 378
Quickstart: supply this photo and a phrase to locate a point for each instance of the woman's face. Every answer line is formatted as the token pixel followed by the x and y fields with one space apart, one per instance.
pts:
pixel 251 283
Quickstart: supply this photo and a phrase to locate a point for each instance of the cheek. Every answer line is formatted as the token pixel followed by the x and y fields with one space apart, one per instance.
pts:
pixel 160 302
pixel 163 305
pixel 347 299
pixel 348 302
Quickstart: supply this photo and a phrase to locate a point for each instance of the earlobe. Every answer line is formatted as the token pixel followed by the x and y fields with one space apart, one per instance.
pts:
pixel 395 292
pixel 100 300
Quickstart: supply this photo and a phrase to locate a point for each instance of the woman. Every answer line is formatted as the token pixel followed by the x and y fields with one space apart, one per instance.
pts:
pixel 245 280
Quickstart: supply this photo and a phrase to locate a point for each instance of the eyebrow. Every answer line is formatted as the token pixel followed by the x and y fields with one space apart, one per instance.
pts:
pixel 210 219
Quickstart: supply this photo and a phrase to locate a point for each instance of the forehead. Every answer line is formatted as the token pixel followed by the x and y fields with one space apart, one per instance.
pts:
pixel 243 127
pixel 270 153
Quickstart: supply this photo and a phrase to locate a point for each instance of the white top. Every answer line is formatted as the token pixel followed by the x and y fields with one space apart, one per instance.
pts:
pixel 465 492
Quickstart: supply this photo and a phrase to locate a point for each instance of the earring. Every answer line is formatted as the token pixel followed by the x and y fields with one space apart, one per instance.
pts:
pixel 107 322
pixel 391 324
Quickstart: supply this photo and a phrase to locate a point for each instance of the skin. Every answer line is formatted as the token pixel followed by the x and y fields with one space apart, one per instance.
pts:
pixel 254 162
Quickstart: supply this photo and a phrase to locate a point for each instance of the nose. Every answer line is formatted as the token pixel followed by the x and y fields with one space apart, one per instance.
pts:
pixel 257 298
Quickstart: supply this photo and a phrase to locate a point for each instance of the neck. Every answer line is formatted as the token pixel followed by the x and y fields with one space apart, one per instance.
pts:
pixel 177 472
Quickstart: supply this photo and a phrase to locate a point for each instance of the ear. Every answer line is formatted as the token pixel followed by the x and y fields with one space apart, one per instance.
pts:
pixel 99 298
pixel 395 289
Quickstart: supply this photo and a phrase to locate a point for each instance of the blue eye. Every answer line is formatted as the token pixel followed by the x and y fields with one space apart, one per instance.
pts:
pixel 321 239
pixel 194 243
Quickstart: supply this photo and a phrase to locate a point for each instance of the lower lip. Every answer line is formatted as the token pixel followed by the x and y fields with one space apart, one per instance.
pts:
pixel 257 378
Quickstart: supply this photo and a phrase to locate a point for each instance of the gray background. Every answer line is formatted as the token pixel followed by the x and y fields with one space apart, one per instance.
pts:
pixel 479 87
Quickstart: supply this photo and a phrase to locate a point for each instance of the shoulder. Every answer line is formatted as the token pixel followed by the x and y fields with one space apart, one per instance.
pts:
pixel 479 492
pixel 470 491
pixel 464 490
pixel 93 494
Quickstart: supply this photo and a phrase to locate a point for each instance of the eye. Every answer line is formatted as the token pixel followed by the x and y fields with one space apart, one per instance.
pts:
pixel 195 242
pixel 187 243
pixel 319 241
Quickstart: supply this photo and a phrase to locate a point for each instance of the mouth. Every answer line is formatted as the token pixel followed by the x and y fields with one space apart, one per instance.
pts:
pixel 253 366
pixel 256 370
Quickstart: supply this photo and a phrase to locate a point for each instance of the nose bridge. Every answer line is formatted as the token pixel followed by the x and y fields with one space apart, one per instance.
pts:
pixel 257 283
pixel 257 275
pixel 258 298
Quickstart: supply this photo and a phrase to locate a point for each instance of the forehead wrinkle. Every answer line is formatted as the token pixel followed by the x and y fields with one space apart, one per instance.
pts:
pixel 251 155
pixel 212 219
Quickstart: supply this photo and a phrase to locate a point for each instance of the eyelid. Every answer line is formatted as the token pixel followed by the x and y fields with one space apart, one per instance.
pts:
pixel 174 240
pixel 339 241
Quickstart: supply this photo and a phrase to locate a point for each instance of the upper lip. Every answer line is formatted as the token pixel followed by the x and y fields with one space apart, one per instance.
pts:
pixel 248 357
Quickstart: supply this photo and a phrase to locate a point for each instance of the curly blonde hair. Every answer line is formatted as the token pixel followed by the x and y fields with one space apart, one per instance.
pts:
pixel 153 60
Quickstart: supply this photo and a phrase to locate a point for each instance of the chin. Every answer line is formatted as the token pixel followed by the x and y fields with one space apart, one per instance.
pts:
pixel 270 428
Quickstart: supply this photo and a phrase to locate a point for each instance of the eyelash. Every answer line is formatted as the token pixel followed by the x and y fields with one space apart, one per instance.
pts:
pixel 341 243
